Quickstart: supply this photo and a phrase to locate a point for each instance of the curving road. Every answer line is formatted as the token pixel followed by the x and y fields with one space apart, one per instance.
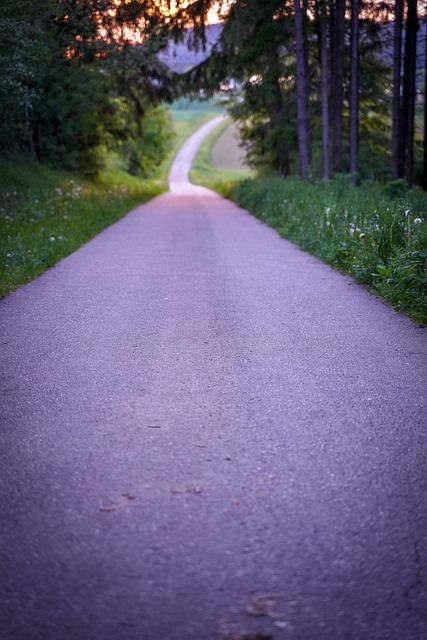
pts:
pixel 207 433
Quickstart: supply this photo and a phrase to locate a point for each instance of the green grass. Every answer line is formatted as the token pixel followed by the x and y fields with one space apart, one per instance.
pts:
pixel 217 178
pixel 47 214
pixel 187 116
pixel 377 234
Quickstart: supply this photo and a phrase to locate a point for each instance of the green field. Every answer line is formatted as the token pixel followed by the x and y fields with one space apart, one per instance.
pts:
pixel 226 152
pixel 217 164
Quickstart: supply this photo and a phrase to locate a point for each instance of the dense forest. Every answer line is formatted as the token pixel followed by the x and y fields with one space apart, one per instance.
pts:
pixel 323 86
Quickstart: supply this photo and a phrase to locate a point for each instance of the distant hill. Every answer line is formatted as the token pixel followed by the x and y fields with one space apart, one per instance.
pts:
pixel 180 58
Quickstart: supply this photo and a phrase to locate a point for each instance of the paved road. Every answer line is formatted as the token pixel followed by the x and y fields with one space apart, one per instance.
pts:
pixel 207 433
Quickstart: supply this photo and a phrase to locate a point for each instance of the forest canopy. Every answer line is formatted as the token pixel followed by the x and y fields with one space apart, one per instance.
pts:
pixel 323 86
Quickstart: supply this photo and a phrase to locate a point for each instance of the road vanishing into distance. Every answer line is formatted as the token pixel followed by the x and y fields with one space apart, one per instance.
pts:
pixel 209 434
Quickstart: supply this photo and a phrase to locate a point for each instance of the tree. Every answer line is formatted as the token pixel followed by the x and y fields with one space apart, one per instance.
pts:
pixel 397 155
pixel 338 8
pixel 408 98
pixel 70 69
pixel 354 90
pixel 302 117
pixel 425 110
pixel 324 90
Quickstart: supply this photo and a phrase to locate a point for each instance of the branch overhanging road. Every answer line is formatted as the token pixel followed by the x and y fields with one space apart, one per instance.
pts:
pixel 208 433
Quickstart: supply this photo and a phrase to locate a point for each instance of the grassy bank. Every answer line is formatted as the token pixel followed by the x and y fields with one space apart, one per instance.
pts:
pixel 47 214
pixel 218 178
pixel 377 234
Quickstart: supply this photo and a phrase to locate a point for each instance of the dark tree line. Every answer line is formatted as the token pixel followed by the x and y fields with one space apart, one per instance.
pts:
pixel 323 78
pixel 327 86
pixel 73 83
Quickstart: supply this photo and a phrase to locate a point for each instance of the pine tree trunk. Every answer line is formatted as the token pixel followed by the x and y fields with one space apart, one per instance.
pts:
pixel 396 147
pixel 425 109
pixel 411 53
pixel 337 80
pixel 304 155
pixel 354 91
pixel 325 92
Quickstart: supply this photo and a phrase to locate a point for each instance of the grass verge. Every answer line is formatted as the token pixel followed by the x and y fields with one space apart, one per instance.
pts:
pixel 216 178
pixel 377 234
pixel 47 214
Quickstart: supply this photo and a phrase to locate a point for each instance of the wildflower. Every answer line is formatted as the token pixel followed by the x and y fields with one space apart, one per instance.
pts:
pixel 9 255
pixel 328 224
pixel 351 231
pixel 52 239
pixel 361 236
pixel 407 212
pixel 60 238
pixel 327 211
pixel 418 221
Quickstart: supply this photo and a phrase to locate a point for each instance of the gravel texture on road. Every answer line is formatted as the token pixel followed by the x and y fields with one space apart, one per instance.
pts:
pixel 209 434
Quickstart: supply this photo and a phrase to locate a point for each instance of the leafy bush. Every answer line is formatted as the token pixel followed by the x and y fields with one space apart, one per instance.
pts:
pixel 147 152
pixel 377 234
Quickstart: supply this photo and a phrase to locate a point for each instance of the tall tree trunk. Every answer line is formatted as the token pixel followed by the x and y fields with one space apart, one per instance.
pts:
pixel 325 92
pixel 337 80
pixel 411 54
pixel 304 155
pixel 396 147
pixel 278 120
pixel 425 108
pixel 354 90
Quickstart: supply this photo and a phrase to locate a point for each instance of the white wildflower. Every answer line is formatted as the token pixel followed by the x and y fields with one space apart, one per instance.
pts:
pixel 351 230
pixel 418 221
pixel 361 235
pixel 407 212
pixel 9 255
pixel 52 239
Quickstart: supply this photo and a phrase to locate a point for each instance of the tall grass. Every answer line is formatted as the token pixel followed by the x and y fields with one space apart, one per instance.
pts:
pixel 378 234
pixel 45 214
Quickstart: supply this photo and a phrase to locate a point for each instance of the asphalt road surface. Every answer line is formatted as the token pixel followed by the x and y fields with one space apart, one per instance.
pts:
pixel 209 434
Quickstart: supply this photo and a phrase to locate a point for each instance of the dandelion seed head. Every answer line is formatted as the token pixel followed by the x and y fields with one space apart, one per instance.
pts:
pixel 52 239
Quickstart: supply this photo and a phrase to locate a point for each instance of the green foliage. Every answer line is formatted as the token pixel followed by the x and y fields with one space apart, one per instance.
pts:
pixel 21 53
pixel 69 91
pixel 378 239
pixel 146 153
